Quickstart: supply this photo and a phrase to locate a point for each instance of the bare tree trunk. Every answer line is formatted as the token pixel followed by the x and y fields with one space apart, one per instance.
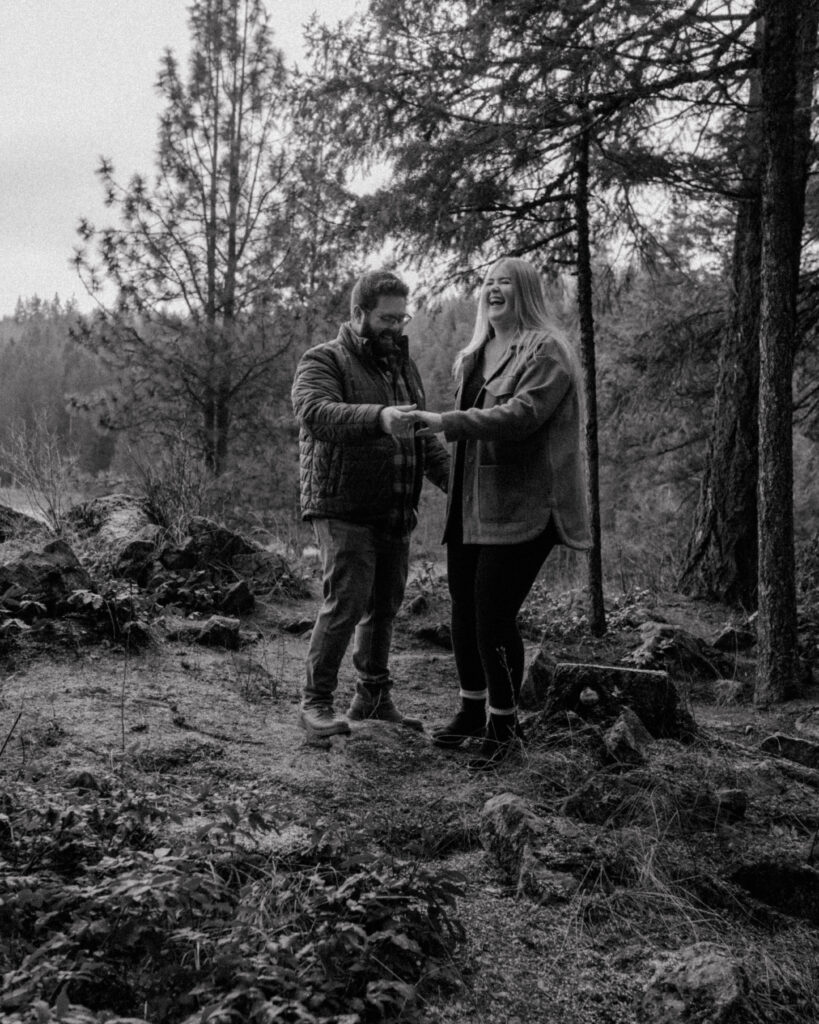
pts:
pixel 721 556
pixel 790 28
pixel 597 611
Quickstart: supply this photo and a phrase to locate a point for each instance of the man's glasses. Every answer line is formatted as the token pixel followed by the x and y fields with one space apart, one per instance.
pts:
pixel 394 321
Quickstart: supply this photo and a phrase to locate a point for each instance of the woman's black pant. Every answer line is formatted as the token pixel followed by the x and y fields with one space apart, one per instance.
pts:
pixel 488 584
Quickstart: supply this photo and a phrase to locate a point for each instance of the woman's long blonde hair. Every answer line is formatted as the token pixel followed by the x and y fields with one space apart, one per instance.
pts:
pixel 532 311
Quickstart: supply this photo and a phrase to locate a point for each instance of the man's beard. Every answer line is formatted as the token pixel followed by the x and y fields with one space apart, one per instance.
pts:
pixel 382 342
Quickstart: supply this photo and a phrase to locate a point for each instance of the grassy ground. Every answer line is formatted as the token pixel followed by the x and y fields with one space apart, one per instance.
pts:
pixel 172 843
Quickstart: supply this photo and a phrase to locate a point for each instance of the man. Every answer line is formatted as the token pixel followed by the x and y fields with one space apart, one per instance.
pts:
pixel 361 474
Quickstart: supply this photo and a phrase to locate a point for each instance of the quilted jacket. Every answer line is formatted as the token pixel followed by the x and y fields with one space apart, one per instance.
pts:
pixel 523 457
pixel 345 458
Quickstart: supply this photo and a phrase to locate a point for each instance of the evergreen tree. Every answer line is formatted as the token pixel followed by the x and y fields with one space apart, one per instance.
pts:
pixel 210 270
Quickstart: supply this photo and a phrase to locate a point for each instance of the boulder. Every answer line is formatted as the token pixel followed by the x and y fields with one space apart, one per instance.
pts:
pixel 733 639
pixel 224 557
pixel 47 576
pixel 677 652
pixel 18 524
pixel 207 543
pixel 699 984
pixel 550 857
pixel 124 531
pixel 791 888
pixel 565 686
pixel 135 556
pixel 628 739
pixel 216 631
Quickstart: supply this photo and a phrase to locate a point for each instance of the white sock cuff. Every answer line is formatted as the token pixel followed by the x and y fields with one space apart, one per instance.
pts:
pixel 474 694
pixel 501 711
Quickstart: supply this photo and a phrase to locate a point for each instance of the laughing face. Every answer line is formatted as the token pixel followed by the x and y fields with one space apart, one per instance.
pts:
pixel 382 325
pixel 498 295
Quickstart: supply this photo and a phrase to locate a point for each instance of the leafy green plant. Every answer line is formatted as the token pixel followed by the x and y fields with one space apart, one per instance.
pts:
pixel 115 609
pixel 99 910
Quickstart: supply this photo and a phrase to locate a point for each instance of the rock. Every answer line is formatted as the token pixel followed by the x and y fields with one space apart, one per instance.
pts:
pixel 136 555
pixel 83 778
pixel 651 695
pixel 208 541
pixel 549 857
pixel 217 554
pixel 733 639
pixel 124 532
pixel 628 739
pixel 115 515
pixel 677 651
pixel 217 631
pixel 794 748
pixel 440 635
pixel 48 576
pixel 18 524
pixel 698 984
pixel 418 605
pixel 238 599
pixel 791 888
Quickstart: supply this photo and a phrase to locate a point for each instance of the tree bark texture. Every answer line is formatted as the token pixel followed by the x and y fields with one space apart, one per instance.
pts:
pixel 790 31
pixel 597 611
pixel 721 557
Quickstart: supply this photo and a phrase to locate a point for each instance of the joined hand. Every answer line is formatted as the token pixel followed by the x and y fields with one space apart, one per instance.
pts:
pixel 431 423
pixel 398 420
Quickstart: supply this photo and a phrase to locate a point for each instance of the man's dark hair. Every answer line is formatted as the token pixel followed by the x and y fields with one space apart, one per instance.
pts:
pixel 373 284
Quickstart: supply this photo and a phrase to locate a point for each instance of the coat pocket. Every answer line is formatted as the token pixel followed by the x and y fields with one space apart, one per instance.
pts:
pixel 502 493
pixel 501 389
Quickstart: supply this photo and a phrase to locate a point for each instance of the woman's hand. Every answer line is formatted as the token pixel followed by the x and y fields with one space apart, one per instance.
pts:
pixel 431 423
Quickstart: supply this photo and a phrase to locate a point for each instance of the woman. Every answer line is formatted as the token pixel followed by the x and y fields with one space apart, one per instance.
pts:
pixel 517 488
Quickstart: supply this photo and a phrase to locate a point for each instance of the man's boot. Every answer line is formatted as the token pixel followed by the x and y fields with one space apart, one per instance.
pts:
pixel 321 721
pixel 373 702
pixel 469 721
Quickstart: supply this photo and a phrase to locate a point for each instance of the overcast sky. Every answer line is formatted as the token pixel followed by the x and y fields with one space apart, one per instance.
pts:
pixel 76 83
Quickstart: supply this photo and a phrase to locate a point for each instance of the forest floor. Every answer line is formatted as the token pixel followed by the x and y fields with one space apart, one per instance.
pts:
pixel 208 733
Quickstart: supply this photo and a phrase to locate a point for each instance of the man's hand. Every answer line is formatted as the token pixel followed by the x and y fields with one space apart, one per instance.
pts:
pixel 431 423
pixel 397 420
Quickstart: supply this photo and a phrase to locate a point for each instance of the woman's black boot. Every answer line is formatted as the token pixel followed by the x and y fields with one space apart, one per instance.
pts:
pixel 469 722
pixel 503 738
